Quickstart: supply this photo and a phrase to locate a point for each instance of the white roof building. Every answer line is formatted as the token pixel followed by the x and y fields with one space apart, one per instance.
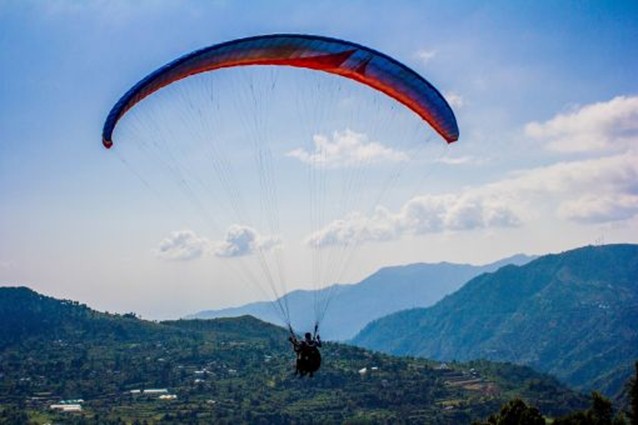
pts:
pixel 67 407
pixel 155 391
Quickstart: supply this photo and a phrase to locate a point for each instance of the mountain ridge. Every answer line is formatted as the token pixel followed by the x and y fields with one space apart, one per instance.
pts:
pixel 571 314
pixel 386 291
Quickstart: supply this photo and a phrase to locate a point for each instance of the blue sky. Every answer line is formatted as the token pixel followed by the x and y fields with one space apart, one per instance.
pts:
pixel 545 94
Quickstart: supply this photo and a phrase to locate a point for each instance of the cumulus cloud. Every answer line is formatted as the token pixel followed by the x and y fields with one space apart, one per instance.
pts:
pixel 454 99
pixel 461 160
pixel 421 215
pixel 425 55
pixel 600 209
pixel 346 149
pixel 182 245
pixel 243 240
pixel 354 228
pixel 451 212
pixel 598 190
pixel 612 174
pixel 604 125
pixel 589 191
pixel 239 241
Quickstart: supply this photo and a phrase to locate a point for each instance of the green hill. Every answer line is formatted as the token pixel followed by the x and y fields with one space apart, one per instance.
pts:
pixel 573 315
pixel 229 371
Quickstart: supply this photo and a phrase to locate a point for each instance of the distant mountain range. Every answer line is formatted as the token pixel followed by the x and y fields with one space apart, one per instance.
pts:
pixel 573 315
pixel 387 291
pixel 121 369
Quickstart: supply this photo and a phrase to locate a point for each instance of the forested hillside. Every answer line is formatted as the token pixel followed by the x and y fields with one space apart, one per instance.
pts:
pixel 120 369
pixel 573 315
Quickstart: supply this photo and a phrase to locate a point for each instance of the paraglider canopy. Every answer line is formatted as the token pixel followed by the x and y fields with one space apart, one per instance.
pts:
pixel 331 55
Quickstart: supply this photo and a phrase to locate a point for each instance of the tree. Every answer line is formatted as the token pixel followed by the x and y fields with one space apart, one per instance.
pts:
pixel 13 415
pixel 600 413
pixel 633 398
pixel 515 412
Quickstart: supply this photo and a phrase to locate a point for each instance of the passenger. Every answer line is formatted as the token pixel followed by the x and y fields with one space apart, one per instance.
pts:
pixel 308 356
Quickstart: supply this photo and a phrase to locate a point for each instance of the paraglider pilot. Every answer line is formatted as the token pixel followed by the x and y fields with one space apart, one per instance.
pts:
pixel 307 350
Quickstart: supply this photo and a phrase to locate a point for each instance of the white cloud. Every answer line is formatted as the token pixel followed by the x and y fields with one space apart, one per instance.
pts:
pixel 589 191
pixel 455 100
pixel 182 245
pixel 461 160
pixel 346 149
pixel 421 215
pixel 356 227
pixel 243 240
pixel 594 190
pixel 600 209
pixel 239 241
pixel 604 125
pixel 612 174
pixel 425 55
